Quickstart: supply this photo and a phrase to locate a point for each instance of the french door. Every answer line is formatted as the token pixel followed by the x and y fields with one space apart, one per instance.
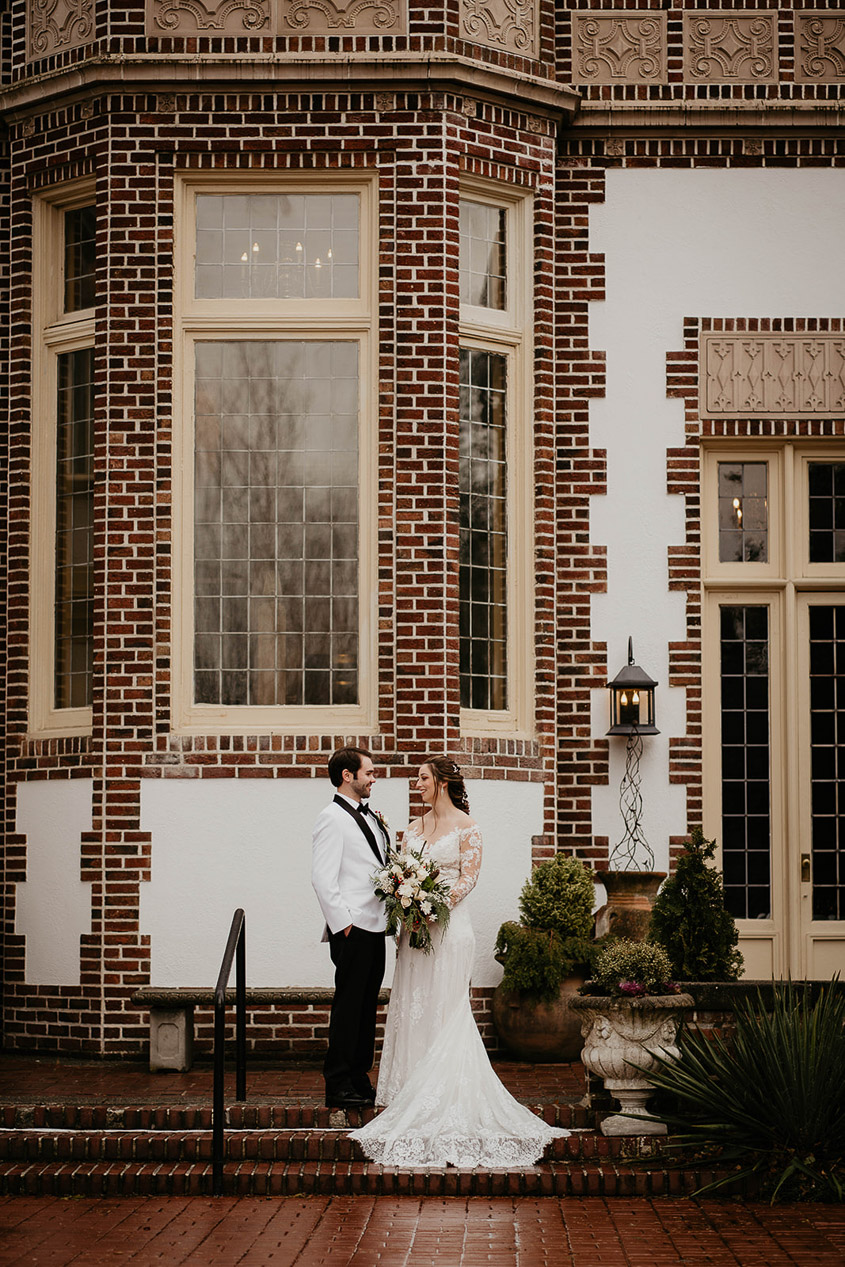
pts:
pixel 774 703
pixel 820 948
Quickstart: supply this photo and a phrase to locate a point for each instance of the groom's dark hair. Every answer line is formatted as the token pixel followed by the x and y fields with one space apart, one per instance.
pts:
pixel 346 759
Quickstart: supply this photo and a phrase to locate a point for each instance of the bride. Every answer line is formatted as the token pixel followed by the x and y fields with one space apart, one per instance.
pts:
pixel 445 1104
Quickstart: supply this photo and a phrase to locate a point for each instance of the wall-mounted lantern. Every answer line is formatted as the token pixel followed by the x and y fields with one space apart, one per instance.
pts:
pixel 632 700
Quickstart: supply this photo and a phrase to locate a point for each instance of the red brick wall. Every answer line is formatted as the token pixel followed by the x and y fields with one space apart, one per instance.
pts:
pixel 419 150
pixel 299 1031
pixel 419 143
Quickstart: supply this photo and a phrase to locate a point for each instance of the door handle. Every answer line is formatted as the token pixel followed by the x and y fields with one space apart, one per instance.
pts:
pixel 806 869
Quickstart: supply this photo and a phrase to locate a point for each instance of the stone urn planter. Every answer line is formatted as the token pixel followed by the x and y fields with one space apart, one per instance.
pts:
pixel 535 1029
pixel 620 1033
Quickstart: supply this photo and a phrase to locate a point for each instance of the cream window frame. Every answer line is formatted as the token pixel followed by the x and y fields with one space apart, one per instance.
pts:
pixel 54 332
pixel 745 571
pixel 197 320
pixel 509 332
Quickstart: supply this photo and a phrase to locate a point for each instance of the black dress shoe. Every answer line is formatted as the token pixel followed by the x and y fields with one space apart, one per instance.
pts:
pixel 368 1092
pixel 350 1099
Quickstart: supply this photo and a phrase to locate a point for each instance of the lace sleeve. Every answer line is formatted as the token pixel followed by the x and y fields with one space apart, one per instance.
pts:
pixel 470 865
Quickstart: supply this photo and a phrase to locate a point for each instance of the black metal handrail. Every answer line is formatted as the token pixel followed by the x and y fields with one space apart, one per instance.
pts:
pixel 235 948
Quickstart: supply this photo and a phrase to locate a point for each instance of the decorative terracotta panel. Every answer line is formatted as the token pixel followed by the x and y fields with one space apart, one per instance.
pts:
pixel 820 48
pixel 619 48
pixel 772 375
pixel 52 26
pixel 192 17
pixel 730 48
pixel 509 25
pixel 322 17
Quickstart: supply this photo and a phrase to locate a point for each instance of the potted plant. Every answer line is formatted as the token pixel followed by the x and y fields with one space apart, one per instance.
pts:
pixel 546 958
pixel 630 1013
pixel 690 920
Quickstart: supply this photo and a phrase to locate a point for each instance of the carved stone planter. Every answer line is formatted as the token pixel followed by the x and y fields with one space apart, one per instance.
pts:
pixel 536 1030
pixel 621 1033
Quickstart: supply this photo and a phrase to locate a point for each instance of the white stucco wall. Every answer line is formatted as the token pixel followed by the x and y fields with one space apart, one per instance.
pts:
pixel 726 243
pixel 220 844
pixel 53 905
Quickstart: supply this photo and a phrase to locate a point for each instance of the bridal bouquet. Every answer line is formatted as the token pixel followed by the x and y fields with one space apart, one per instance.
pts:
pixel 414 896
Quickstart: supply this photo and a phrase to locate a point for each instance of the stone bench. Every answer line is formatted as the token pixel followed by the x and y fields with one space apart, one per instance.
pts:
pixel 171 1011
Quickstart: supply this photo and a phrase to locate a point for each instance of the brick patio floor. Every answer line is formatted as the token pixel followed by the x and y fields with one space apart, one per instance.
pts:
pixel 378 1231
pixel 395 1232
pixel 50 1080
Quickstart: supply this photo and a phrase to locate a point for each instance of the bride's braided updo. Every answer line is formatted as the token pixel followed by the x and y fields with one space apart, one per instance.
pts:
pixel 448 772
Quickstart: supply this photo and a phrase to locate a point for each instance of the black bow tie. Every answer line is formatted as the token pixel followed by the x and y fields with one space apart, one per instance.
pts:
pixel 363 809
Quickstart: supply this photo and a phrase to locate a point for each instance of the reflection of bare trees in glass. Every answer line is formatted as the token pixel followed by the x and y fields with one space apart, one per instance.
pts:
pixel 74 596
pixel 483 530
pixel 276 541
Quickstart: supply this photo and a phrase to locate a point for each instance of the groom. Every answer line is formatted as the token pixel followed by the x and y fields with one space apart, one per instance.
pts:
pixel 349 843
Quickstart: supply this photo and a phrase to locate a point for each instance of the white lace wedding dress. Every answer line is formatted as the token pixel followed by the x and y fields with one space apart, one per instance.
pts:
pixel 445 1104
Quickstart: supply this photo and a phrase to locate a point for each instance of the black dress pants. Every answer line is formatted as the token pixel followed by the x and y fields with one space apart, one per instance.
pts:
pixel 359 970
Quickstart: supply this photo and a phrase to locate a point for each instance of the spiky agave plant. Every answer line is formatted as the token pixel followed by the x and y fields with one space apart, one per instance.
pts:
pixel 772 1099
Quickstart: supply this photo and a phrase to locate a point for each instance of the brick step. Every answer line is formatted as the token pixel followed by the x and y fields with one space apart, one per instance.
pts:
pixel 248 1116
pixel 577 1178
pixel 273 1145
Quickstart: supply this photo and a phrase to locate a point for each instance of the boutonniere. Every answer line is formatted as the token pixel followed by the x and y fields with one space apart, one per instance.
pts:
pixel 376 813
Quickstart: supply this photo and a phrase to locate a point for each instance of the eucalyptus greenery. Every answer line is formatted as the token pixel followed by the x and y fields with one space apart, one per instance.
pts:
pixel 690 919
pixel 771 1101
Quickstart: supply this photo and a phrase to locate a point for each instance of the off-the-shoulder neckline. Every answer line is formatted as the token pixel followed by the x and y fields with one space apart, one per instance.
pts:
pixel 412 830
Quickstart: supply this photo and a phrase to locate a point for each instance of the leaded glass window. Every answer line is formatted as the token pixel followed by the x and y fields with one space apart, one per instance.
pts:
pixel 276 522
pixel 484 530
pixel 483 278
pixel 74 597
pixel 79 258
pixel 276 246
pixel 743 512
pixel 826 489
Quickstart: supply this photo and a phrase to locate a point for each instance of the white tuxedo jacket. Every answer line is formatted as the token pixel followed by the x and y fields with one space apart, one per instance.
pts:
pixel 342 866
